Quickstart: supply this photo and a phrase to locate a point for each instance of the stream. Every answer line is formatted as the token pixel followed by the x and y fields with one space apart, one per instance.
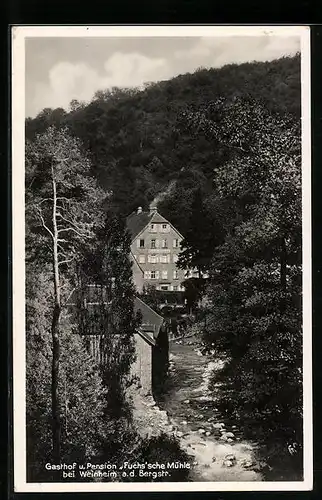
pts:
pixel 215 444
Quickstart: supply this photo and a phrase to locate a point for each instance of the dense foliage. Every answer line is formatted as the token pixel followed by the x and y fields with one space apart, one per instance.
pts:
pixel 255 277
pixel 107 266
pixel 80 386
pixel 76 408
pixel 132 138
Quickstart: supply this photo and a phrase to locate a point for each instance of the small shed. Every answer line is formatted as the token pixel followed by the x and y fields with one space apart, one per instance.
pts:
pixel 152 349
pixel 151 338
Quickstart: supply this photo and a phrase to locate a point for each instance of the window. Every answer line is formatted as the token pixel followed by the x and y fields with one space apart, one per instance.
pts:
pixel 175 274
pixel 152 243
pixel 175 288
pixel 164 287
pixel 153 259
pixel 140 243
pixel 164 275
pixel 176 243
pixel 153 228
pixel 164 259
pixel 164 244
pixel 141 259
pixel 165 228
pixel 153 275
pixel 175 258
pixel 147 275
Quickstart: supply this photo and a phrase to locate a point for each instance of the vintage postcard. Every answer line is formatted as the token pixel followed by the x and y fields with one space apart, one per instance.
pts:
pixel 161 258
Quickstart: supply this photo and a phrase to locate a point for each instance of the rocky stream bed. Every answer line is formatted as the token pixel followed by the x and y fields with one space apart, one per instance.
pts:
pixel 215 445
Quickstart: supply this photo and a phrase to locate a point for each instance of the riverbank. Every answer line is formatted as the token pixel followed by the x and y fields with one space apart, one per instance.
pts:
pixel 215 446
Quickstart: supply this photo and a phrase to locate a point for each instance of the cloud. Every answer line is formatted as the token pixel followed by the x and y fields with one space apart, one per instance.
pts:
pixel 79 81
pixel 218 51
pixel 67 80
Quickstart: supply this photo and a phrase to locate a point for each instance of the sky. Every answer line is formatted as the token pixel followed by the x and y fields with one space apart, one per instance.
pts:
pixel 60 69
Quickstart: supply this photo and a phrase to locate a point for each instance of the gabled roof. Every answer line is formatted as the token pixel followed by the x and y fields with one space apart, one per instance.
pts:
pixel 135 263
pixel 151 320
pixel 135 222
pixel 146 336
pixel 159 219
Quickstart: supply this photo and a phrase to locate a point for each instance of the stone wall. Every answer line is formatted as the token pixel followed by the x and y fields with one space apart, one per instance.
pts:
pixel 142 366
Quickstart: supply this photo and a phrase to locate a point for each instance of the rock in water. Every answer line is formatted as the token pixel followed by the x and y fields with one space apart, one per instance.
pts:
pixel 208 433
pixel 201 431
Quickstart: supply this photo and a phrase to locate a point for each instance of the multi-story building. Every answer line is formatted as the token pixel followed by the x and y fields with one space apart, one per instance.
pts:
pixel 155 248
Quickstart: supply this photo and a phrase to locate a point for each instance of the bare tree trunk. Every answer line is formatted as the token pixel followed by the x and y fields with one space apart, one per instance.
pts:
pixel 56 424
pixel 283 273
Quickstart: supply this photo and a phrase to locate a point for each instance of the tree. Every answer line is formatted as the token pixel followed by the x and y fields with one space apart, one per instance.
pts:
pixel 80 384
pixel 194 288
pixel 63 205
pixel 76 105
pixel 152 296
pixel 204 234
pixel 107 266
pixel 255 278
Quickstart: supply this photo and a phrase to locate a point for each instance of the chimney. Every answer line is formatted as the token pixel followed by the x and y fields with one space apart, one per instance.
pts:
pixel 139 210
pixel 153 209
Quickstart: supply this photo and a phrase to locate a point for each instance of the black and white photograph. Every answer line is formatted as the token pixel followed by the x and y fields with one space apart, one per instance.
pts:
pixel 161 258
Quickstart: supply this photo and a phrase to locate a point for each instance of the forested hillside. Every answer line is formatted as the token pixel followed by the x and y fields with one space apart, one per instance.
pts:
pixel 133 138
